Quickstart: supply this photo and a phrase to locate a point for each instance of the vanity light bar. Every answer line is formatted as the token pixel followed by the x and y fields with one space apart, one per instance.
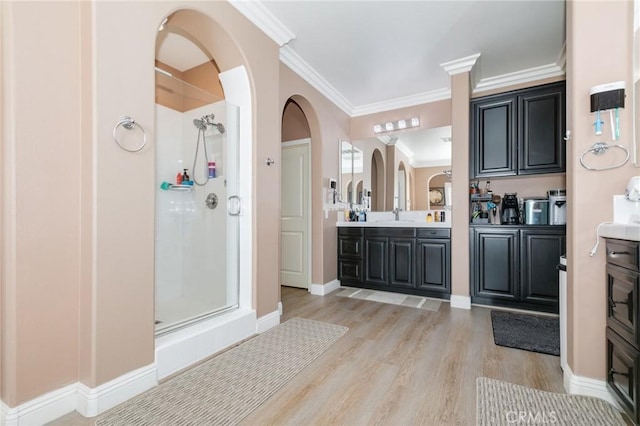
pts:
pixel 390 126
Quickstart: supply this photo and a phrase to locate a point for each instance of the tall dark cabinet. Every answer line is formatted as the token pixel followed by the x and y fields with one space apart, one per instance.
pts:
pixel 519 132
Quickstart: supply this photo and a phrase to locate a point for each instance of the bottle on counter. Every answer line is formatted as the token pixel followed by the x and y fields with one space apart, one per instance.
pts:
pixel 429 217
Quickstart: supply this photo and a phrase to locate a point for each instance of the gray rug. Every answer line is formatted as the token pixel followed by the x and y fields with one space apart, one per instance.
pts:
pixel 535 333
pixel 418 302
pixel 228 387
pixel 502 403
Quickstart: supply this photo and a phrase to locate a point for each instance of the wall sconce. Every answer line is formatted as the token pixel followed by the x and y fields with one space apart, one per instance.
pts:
pixel 390 126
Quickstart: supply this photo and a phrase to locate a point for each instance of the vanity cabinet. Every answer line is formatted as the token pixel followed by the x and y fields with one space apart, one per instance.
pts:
pixel 519 132
pixel 623 336
pixel 433 261
pixel 350 249
pixel 515 266
pixel 404 260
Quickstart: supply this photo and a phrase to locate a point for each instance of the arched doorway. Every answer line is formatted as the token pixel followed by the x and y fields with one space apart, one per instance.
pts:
pixel 230 183
pixel 377 181
pixel 295 198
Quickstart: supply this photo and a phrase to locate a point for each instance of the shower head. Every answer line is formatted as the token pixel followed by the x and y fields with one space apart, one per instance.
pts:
pixel 200 124
pixel 206 121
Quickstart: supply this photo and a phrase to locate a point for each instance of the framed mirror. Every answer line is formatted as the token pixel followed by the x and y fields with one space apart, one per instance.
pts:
pixel 416 155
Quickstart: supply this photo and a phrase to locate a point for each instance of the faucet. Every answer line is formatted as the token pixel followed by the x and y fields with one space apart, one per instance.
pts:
pixel 396 212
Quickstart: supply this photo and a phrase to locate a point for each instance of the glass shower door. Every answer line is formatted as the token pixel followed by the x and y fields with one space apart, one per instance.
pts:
pixel 197 247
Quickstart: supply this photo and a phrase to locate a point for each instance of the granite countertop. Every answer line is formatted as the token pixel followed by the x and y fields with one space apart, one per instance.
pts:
pixel 620 231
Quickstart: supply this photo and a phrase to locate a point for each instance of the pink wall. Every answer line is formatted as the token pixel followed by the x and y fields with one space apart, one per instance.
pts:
pixel 328 124
pixel 77 253
pixel 590 193
pixel 40 203
pixel 294 123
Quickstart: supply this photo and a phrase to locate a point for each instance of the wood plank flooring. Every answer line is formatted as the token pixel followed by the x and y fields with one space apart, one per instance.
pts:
pixel 395 366
pixel 398 366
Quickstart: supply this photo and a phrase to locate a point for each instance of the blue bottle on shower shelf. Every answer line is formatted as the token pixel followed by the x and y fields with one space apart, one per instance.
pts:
pixel 212 169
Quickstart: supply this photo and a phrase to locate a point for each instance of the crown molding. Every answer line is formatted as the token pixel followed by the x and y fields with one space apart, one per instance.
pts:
pixel 519 77
pixel 403 148
pixel 311 76
pixel 402 102
pixel 260 16
pixel 432 163
pixel 461 65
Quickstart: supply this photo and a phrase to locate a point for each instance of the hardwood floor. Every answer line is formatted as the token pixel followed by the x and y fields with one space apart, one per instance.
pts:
pixel 398 366
pixel 395 366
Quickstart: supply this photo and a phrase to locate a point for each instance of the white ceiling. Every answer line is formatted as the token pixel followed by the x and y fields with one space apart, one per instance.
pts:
pixel 369 56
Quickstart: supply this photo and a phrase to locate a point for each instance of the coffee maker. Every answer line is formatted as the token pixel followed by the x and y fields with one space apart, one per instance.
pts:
pixel 510 210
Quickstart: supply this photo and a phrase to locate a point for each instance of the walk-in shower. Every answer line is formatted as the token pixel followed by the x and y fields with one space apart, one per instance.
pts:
pixel 196 259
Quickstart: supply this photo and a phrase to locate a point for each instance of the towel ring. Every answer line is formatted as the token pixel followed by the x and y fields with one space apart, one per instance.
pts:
pixel 600 148
pixel 129 124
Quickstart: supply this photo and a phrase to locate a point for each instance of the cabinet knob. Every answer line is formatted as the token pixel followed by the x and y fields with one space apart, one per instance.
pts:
pixel 613 372
pixel 614 303
pixel 616 253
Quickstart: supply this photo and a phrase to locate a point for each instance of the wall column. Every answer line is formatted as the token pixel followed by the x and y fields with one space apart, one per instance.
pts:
pixel 460 71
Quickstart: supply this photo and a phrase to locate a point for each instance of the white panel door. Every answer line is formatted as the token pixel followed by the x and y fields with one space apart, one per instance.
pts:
pixel 296 216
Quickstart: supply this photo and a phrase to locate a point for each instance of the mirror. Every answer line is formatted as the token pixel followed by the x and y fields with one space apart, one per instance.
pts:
pixel 351 174
pixel 416 155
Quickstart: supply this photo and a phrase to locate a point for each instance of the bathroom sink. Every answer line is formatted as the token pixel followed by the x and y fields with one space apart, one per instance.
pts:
pixel 621 231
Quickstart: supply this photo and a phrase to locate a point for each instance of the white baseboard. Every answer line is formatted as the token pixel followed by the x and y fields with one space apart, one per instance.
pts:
pixel 460 302
pixel 94 401
pixel 579 385
pixel 324 289
pixel 77 396
pixel 268 321
pixel 42 409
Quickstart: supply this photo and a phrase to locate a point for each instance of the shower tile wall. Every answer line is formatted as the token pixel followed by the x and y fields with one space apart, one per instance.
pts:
pixel 190 238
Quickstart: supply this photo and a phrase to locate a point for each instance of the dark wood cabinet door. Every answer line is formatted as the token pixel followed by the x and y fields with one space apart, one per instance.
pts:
pixel 495 264
pixel 376 252
pixel 401 262
pixel 622 373
pixel 433 265
pixel 541 119
pixel 540 254
pixel 622 302
pixel 493 144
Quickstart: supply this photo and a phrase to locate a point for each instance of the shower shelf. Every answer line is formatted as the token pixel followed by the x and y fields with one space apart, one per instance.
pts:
pixel 187 188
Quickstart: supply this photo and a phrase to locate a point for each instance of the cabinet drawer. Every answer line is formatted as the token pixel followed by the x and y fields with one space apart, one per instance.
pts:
pixel 433 233
pixel 350 247
pixel 350 231
pixel 622 302
pixel 390 232
pixel 623 253
pixel 622 373
pixel 350 270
